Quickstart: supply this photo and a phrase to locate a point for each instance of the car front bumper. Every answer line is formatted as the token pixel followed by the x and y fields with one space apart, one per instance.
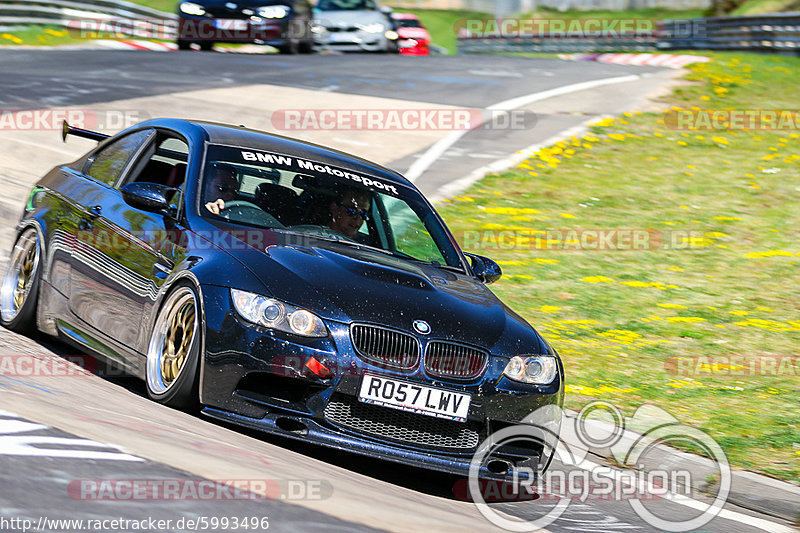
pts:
pixel 264 380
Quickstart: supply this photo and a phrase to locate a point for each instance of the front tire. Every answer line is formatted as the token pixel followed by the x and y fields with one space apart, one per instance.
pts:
pixel 20 289
pixel 174 350
pixel 290 47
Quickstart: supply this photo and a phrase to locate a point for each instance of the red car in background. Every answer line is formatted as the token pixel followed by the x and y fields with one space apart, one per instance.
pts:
pixel 413 38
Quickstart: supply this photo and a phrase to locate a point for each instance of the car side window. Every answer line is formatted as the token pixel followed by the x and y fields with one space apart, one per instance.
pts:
pixel 108 164
pixel 163 161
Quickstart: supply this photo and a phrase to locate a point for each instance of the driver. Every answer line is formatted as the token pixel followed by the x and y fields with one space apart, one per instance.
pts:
pixel 349 212
pixel 222 185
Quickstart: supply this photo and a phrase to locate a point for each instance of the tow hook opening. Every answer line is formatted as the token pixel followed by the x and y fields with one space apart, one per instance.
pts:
pixel 292 426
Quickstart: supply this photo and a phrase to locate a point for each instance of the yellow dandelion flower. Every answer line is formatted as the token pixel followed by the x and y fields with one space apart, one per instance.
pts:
pixel 549 309
pixel 769 253
pixel 597 279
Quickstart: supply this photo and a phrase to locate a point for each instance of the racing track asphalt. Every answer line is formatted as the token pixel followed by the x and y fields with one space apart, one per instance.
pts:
pixel 365 493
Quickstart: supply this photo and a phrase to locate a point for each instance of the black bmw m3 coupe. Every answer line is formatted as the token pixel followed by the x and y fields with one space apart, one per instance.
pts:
pixel 282 286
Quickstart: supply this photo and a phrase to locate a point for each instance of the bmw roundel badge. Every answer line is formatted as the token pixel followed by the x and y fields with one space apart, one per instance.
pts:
pixel 420 326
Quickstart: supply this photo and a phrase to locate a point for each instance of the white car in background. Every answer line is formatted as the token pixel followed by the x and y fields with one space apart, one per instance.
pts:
pixel 354 26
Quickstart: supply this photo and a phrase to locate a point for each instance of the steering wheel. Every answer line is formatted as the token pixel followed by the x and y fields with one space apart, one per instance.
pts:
pixel 244 211
pixel 240 203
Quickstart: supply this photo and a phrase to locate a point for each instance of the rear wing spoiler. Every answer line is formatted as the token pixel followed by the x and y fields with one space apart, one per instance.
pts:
pixel 66 129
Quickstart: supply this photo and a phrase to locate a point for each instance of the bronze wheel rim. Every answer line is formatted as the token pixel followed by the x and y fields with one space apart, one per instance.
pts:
pixel 20 276
pixel 174 336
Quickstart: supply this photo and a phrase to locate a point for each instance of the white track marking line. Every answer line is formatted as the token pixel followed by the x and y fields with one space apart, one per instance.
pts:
pixel 36 445
pixel 766 525
pixel 456 186
pixel 440 147
pixel 43 146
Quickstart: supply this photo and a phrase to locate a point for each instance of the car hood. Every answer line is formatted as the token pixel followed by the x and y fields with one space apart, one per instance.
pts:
pixel 349 284
pixel 349 18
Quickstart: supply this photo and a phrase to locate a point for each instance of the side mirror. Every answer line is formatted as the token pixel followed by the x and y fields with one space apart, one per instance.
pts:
pixel 386 10
pixel 484 268
pixel 152 197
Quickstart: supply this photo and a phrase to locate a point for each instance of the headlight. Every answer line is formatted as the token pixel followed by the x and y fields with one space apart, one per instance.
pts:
pixel 190 8
pixel 317 29
pixel 272 313
pixel 535 369
pixel 391 35
pixel 377 27
pixel 273 12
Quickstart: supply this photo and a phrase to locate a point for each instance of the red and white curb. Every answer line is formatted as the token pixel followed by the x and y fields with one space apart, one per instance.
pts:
pixel 655 60
pixel 154 46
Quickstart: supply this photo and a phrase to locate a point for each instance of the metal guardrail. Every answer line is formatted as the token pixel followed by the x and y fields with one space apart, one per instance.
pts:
pixel 773 33
pixel 777 33
pixel 555 45
pixel 121 17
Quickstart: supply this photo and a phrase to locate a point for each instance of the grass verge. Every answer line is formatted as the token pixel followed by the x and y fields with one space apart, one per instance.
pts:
pixel 757 7
pixel 37 36
pixel 644 325
pixel 654 13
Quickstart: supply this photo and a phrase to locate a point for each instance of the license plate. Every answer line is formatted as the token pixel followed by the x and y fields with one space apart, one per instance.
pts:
pixel 342 37
pixel 414 398
pixel 231 24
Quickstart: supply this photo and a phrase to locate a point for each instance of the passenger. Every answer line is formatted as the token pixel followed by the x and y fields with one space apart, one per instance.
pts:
pixel 221 184
pixel 349 212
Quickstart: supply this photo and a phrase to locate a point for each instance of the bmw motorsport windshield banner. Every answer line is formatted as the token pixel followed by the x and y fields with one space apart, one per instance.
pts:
pixel 293 163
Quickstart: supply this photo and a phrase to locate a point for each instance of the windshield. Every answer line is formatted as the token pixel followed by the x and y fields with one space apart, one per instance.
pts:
pixel 346 5
pixel 286 193
pixel 408 23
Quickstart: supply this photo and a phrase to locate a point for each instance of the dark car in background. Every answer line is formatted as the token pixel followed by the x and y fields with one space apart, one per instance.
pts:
pixel 354 26
pixel 281 286
pixel 284 24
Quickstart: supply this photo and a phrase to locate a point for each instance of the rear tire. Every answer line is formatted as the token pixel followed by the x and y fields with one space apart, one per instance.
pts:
pixel 20 290
pixel 206 46
pixel 184 45
pixel 306 47
pixel 173 353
